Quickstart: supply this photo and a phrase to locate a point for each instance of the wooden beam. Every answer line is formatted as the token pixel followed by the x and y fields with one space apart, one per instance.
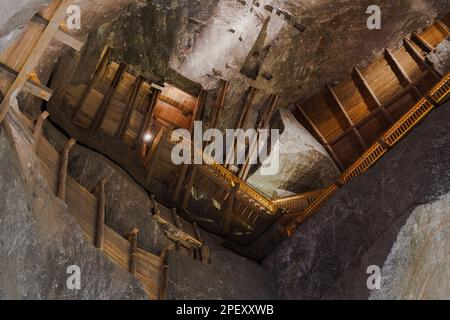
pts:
pixel 34 58
pixel 103 108
pixel 101 210
pixel 219 103
pixel 229 210
pixel 247 106
pixel 180 179
pixel 422 42
pixel 153 154
pixel 419 58
pixel 399 71
pixel 94 81
pixel 189 186
pixel 62 177
pixel 37 134
pixel 146 123
pixel 347 117
pixel 199 106
pixel 133 238
pixel 372 94
pixel 322 139
pixel 129 107
pixel 163 283
pixel 60 35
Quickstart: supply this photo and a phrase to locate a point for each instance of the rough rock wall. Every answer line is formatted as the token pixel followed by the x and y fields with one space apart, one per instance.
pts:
pixel 304 165
pixel 440 58
pixel 242 280
pixel 418 266
pixel 39 240
pixel 329 254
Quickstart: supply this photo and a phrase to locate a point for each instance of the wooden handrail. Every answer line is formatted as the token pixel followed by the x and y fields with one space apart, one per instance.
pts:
pixel 397 131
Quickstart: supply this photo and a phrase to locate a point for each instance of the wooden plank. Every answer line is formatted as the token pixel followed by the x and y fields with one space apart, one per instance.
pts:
pixel 93 83
pixel 422 42
pixel 101 210
pixel 101 112
pixel 134 251
pixel 322 139
pixel 347 117
pixel 219 103
pixel 129 107
pixel 419 58
pixel 62 179
pixel 34 58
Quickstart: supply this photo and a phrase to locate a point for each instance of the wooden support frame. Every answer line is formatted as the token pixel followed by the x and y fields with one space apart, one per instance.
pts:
pixel 189 186
pixel 30 86
pixel 62 177
pixel 38 128
pixel 101 212
pixel 419 58
pixel 133 238
pixel 372 94
pixel 322 139
pixel 129 107
pixel 399 71
pixel 94 81
pixel 103 108
pixel 347 117
pixel 34 58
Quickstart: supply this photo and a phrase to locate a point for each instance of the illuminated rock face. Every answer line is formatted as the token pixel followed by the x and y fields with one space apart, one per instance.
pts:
pixel 441 57
pixel 304 165
pixel 418 266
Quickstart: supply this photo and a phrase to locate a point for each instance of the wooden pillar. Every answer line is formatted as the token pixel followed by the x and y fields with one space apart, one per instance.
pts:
pixel 163 284
pixel 34 57
pixel 180 179
pixel 372 94
pixel 129 107
pixel 400 72
pixel 103 108
pixel 229 209
pixel 420 60
pixel 134 251
pixel 146 123
pixel 322 139
pixel 62 178
pixel 347 117
pixel 189 186
pixel 101 211
pixel 422 42
pixel 37 134
pixel 94 81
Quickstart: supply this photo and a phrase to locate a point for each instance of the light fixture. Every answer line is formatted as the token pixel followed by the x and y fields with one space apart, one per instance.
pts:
pixel 147 137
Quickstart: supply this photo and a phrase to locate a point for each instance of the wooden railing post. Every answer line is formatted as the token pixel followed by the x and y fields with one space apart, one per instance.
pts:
pixel 229 209
pixel 134 251
pixel 37 134
pixel 62 181
pixel 101 210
